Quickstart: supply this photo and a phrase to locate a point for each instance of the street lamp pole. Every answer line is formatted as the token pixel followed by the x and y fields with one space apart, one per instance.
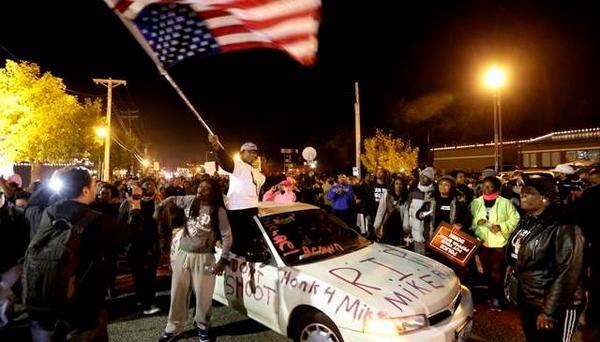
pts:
pixel 500 151
pixel 495 79
pixel 496 135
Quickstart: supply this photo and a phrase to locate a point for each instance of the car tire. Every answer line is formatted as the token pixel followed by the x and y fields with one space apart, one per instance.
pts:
pixel 316 326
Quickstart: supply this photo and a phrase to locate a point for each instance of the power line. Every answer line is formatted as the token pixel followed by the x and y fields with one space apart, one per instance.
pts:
pixel 132 151
pixel 8 52
pixel 131 98
pixel 84 94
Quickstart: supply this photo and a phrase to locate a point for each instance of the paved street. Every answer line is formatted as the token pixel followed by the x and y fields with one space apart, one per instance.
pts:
pixel 129 325
pixel 232 326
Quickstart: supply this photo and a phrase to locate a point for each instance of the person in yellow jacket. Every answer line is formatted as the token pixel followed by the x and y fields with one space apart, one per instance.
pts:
pixel 494 219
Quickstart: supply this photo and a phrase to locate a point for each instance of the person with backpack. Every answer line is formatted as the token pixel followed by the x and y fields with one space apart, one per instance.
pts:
pixel 194 264
pixel 64 283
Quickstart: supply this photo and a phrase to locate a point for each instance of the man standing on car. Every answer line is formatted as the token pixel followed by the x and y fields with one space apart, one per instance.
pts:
pixel 245 181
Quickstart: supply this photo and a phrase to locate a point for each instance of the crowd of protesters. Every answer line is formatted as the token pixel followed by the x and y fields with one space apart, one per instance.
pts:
pixel 538 233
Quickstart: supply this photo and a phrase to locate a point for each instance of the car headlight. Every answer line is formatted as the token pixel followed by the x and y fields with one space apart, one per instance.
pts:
pixel 394 326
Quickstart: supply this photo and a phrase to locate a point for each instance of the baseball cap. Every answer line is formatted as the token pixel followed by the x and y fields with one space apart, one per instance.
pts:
pixel 249 146
pixel 564 168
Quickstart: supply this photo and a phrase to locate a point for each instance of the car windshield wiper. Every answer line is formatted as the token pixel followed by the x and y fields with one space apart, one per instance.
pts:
pixel 315 257
pixel 323 256
pixel 356 247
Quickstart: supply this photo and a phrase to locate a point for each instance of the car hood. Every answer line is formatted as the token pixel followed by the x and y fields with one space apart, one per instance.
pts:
pixel 391 280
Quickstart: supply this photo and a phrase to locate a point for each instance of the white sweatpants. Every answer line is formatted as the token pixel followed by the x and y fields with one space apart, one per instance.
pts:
pixel 188 274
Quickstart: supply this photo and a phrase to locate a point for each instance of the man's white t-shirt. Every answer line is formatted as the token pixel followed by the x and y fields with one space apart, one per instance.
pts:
pixel 244 186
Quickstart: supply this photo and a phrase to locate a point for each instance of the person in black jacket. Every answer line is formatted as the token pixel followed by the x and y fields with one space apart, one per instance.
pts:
pixel 15 237
pixel 144 252
pixel 85 317
pixel 546 257
pixel 587 215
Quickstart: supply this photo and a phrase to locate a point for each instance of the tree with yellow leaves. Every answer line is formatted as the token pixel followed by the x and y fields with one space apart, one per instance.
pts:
pixel 393 154
pixel 39 121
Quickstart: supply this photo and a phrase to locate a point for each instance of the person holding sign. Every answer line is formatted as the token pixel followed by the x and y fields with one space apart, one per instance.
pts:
pixel 443 206
pixel 494 219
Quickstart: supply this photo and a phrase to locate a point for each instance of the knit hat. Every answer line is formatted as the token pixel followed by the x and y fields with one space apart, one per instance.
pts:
pixel 428 172
pixel 546 186
pixel 488 173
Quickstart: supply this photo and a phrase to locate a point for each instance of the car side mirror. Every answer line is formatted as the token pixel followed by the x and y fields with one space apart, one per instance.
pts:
pixel 258 254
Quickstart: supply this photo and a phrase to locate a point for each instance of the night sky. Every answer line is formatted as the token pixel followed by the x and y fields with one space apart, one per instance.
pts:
pixel 419 68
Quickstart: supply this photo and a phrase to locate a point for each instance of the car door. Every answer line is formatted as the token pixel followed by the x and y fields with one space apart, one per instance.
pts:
pixel 252 287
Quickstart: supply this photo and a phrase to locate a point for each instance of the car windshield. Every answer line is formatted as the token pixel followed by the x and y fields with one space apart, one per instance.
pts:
pixel 305 236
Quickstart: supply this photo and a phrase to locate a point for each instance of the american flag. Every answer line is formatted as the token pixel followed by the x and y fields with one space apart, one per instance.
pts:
pixel 178 29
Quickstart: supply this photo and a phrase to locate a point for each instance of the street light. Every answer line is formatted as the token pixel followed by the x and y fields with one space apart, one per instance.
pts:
pixel 101 132
pixel 495 79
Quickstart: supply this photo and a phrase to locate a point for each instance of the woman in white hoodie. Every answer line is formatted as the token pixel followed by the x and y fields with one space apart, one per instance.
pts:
pixel 391 212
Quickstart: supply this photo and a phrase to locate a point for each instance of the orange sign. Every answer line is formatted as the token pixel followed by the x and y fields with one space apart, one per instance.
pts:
pixel 457 246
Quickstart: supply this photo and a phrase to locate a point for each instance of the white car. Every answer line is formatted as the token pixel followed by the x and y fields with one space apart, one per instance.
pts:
pixel 311 278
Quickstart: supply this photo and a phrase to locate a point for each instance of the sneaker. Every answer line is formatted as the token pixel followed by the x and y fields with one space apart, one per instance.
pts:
pixel 152 310
pixel 166 337
pixel 495 305
pixel 203 335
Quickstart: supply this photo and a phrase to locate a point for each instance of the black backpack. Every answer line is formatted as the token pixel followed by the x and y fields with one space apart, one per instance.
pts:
pixel 52 262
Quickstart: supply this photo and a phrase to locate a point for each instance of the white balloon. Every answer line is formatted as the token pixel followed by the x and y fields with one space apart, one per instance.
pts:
pixel 309 153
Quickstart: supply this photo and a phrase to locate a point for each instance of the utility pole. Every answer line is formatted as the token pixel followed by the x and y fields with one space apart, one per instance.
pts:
pixel 357 128
pixel 108 83
pixel 151 165
pixel 127 115
pixel 146 150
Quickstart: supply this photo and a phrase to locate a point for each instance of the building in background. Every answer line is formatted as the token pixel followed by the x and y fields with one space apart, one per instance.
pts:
pixel 577 146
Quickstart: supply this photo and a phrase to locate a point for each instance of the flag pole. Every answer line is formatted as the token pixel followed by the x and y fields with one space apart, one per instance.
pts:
pixel 142 41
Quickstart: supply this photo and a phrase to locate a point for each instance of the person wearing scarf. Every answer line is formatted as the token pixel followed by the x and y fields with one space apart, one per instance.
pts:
pixel 494 219
pixel 421 194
